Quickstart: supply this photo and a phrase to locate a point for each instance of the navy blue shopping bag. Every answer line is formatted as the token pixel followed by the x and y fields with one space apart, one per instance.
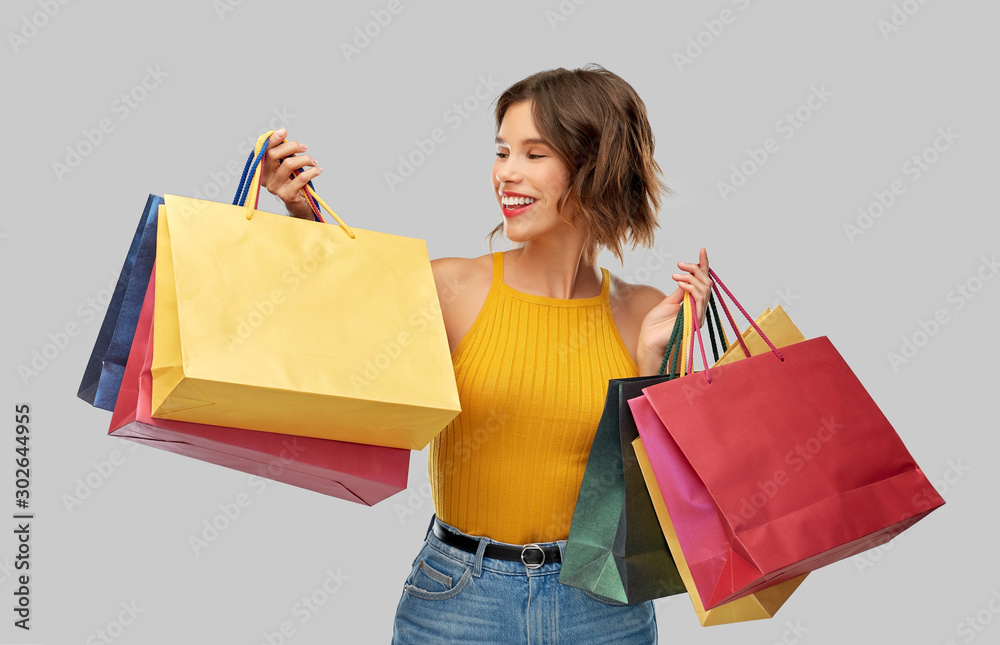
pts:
pixel 103 375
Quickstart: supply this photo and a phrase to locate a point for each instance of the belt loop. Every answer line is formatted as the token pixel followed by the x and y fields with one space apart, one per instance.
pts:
pixel 477 565
pixel 562 551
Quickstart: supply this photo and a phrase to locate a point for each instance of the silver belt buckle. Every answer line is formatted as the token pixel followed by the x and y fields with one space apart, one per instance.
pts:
pixel 532 565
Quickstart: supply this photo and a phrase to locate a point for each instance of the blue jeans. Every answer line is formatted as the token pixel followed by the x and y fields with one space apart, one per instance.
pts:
pixel 452 596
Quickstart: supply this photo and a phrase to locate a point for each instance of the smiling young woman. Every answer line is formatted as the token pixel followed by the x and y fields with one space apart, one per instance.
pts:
pixel 536 333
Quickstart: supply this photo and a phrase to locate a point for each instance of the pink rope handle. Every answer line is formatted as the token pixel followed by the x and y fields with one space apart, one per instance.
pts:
pixel 317 215
pixel 729 315
pixel 701 343
pixel 736 302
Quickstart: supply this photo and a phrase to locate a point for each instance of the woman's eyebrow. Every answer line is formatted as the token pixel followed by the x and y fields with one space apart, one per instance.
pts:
pixel 524 142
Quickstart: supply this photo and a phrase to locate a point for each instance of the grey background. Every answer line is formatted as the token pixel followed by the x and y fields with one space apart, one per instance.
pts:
pixel 228 67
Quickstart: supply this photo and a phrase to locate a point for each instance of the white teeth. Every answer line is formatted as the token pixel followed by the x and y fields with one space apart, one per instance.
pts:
pixel 516 201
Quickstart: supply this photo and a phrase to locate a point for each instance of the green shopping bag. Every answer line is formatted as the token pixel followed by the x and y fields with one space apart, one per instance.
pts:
pixel 616 548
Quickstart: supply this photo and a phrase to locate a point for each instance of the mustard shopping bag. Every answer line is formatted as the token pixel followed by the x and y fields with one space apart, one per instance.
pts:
pixel 267 322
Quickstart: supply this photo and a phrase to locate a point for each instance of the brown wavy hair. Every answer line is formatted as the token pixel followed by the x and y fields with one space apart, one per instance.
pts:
pixel 597 124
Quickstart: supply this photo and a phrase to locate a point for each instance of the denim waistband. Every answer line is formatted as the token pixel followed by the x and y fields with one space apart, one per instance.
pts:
pixel 480 562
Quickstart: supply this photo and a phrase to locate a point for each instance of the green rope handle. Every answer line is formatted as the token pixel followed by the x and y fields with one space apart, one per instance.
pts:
pixel 713 316
pixel 674 373
pixel 672 353
pixel 673 344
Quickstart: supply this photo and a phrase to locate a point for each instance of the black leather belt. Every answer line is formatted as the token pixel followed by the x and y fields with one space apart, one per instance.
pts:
pixel 532 555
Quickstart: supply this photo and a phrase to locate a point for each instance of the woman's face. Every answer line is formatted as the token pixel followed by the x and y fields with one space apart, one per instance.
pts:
pixel 528 178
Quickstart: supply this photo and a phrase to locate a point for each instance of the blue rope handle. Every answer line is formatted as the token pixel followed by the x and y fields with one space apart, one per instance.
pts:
pixel 243 190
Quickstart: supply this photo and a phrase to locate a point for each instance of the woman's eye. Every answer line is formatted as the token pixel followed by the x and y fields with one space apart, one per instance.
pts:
pixel 502 155
pixel 536 156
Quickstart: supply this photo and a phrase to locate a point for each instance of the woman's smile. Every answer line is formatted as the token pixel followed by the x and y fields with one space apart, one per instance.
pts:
pixel 513 204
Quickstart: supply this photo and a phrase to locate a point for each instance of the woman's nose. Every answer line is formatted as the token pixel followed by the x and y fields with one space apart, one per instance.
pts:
pixel 507 171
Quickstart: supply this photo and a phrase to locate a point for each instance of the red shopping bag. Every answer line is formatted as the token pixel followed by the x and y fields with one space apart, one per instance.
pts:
pixel 355 472
pixel 776 465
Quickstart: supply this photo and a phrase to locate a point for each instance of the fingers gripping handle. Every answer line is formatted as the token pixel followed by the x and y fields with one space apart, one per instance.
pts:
pixel 248 192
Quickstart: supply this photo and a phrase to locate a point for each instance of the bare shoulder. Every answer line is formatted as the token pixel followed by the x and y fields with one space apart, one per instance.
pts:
pixel 634 300
pixel 456 276
pixel 453 268
pixel 462 285
pixel 629 305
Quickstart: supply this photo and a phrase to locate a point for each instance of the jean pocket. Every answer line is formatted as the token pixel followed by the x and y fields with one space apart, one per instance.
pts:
pixel 437 577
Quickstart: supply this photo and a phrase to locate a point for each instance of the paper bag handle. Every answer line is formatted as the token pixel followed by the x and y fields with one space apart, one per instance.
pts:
pixel 248 189
pixel 716 283
pixel 681 329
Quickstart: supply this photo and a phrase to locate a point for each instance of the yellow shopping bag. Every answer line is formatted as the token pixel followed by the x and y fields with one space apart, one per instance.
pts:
pixel 272 323
pixel 778 327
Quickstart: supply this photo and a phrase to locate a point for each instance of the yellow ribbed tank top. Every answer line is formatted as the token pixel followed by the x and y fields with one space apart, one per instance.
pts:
pixel 532 376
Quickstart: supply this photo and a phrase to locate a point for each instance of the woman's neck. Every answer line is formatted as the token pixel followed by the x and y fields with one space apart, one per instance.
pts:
pixel 552 270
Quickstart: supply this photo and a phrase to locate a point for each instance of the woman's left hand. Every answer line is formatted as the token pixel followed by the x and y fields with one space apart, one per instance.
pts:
pixel 659 322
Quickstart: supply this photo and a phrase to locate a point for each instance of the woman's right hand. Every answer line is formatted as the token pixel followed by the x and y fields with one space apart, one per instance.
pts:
pixel 278 175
